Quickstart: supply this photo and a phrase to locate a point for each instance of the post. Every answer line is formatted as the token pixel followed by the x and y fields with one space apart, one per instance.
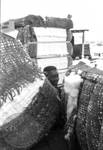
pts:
pixel 83 39
pixel 69 44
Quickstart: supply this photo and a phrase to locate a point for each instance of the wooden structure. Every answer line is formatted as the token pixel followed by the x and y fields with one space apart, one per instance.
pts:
pixel 38 21
pixel 81 49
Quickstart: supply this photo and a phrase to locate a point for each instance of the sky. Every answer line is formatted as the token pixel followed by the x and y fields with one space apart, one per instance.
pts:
pixel 86 14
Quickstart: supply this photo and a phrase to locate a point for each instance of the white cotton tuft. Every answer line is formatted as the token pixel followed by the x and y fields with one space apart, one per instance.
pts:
pixel 71 87
pixel 72 84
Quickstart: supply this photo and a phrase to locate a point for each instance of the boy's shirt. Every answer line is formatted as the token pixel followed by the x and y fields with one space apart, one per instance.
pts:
pixel 63 105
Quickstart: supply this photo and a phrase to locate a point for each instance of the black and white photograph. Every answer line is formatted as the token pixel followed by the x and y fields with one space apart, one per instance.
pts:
pixel 51 75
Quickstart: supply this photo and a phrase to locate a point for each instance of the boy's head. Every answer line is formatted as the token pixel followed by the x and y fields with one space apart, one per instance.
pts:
pixel 52 74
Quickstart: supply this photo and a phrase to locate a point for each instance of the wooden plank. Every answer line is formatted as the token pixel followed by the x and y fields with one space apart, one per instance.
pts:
pixel 38 21
pixel 51 56
pixel 78 30
pixel 59 22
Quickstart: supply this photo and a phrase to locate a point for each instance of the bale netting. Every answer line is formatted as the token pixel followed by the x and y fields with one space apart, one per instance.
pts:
pixel 29 105
pixel 16 68
pixel 34 122
pixel 89 122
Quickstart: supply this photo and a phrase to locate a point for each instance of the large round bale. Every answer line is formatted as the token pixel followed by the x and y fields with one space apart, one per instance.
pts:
pixel 28 103
pixel 88 124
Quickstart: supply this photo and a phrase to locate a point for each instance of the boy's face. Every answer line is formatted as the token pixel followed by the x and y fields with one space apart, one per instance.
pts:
pixel 53 77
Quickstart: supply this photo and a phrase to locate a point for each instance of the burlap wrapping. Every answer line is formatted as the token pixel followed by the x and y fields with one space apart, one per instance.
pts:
pixel 35 122
pixel 17 71
pixel 26 35
pixel 89 122
pixel 16 68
